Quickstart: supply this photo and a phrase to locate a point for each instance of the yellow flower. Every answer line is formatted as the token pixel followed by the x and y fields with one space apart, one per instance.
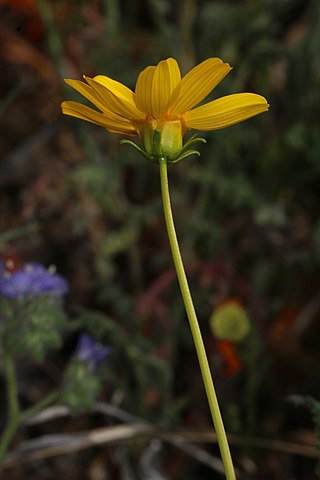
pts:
pixel 161 110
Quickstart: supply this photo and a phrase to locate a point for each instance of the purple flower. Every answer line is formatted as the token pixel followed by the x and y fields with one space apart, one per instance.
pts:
pixel 90 351
pixel 32 280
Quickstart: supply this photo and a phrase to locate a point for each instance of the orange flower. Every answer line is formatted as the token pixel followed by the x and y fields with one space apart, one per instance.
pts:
pixel 229 354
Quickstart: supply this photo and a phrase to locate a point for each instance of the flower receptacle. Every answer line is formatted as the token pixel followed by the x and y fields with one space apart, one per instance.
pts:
pixel 164 139
pixel 161 138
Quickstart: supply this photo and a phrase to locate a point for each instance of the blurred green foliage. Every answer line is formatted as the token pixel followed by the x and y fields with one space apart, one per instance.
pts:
pixel 31 328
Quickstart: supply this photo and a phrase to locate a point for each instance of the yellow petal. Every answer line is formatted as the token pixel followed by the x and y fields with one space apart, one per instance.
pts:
pixel 226 111
pixel 75 109
pixel 158 87
pixel 120 90
pixel 116 101
pixel 87 92
pixel 198 83
pixel 90 94
pixel 144 89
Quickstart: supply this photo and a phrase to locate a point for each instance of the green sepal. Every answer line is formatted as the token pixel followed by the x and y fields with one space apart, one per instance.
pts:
pixel 184 155
pixel 138 149
pixel 191 141
pixel 184 152
pixel 157 144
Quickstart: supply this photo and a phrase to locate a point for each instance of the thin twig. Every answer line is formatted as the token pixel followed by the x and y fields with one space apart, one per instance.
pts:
pixel 59 444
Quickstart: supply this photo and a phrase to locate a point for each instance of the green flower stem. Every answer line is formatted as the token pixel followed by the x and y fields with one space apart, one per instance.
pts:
pixel 15 417
pixel 13 407
pixel 45 402
pixel 194 325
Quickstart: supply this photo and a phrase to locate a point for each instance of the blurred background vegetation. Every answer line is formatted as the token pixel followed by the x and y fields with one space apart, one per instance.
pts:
pixel 247 213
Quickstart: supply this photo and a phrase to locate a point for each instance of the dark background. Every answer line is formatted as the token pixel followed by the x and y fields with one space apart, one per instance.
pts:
pixel 247 213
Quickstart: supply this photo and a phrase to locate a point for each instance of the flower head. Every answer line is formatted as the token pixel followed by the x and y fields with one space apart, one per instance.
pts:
pixel 164 106
pixel 88 350
pixel 31 280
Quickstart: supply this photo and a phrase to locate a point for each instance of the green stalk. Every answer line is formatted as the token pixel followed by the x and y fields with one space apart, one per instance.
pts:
pixel 13 407
pixel 194 325
pixel 15 417
pixel 45 402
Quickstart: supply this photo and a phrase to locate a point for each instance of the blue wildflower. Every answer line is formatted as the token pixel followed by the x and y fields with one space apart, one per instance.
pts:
pixel 33 279
pixel 88 350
